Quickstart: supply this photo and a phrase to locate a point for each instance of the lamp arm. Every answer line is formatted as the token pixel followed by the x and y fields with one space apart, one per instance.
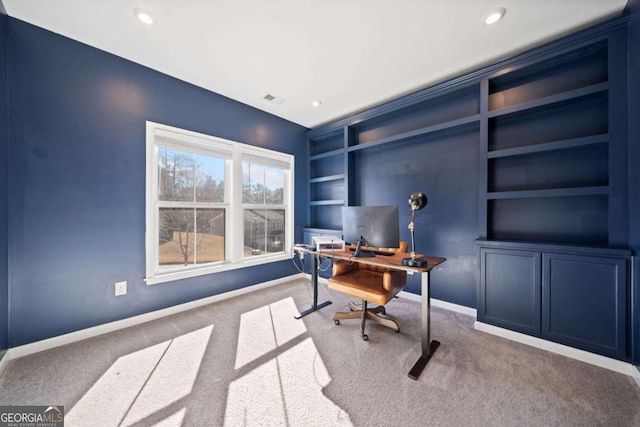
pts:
pixel 411 228
pixel 417 201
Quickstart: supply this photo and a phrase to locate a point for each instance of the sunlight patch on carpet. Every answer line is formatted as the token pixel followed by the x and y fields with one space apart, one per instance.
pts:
pixel 285 390
pixel 142 383
pixel 264 329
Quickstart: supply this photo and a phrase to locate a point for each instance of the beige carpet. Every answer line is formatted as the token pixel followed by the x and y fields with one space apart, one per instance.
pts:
pixel 246 361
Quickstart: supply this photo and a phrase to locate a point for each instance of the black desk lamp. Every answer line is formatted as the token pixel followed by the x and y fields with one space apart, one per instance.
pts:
pixel 417 201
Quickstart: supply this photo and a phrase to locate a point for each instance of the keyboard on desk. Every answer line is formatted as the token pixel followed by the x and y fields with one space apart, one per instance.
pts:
pixel 382 253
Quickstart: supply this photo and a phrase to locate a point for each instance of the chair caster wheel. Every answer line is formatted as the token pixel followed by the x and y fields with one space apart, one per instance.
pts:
pixel 337 322
pixel 365 337
pixel 397 331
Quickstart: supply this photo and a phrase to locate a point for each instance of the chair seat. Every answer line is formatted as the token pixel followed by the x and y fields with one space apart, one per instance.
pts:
pixel 361 284
pixel 368 283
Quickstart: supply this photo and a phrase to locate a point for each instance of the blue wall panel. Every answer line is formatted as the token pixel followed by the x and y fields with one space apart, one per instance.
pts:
pixel 509 294
pixel 584 302
pixel 634 160
pixel 445 168
pixel 4 275
pixel 77 194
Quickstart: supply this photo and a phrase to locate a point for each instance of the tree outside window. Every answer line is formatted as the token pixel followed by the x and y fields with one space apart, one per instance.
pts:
pixel 264 217
pixel 189 231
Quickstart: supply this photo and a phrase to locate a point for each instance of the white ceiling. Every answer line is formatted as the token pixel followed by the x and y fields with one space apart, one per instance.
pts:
pixel 350 54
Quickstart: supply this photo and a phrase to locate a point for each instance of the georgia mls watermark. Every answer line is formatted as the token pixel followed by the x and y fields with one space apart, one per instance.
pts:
pixel 31 416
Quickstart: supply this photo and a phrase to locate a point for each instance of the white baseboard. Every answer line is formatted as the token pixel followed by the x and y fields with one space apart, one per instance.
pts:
pixel 574 353
pixel 635 373
pixel 49 343
pixel 38 346
pixel 441 304
pixel 5 360
pixel 418 298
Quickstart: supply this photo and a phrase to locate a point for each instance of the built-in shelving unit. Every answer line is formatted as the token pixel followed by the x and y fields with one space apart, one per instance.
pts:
pixel 552 261
pixel 543 127
pixel 551 129
pixel 334 148
pixel 547 154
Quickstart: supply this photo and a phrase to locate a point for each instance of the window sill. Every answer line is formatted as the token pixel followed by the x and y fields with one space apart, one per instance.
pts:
pixel 179 275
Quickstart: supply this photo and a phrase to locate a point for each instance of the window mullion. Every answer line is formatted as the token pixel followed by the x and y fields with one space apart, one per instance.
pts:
pixel 195 235
pixel 237 237
pixel 194 175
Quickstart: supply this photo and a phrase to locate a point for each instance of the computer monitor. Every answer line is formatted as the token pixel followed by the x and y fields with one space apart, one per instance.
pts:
pixel 376 226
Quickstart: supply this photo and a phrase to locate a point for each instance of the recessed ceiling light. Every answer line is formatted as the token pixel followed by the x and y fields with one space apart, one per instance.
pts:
pixel 144 16
pixel 316 103
pixel 495 15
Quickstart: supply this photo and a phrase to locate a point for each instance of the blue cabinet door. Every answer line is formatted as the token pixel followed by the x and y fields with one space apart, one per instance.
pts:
pixel 584 302
pixel 510 289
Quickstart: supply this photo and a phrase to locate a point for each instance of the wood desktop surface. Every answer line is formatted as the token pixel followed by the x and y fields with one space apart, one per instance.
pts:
pixel 393 262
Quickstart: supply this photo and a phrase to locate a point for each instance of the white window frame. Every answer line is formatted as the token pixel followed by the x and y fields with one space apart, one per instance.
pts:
pixel 234 217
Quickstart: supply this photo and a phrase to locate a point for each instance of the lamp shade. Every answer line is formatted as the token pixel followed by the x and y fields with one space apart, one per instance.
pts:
pixel 417 200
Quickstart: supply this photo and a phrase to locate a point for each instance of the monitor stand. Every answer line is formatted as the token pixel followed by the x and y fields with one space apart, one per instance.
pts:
pixel 361 253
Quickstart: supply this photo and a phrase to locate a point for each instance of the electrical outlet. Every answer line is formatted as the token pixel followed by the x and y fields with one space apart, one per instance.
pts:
pixel 121 288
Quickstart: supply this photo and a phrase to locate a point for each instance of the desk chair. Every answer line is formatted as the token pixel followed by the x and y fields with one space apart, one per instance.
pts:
pixel 368 283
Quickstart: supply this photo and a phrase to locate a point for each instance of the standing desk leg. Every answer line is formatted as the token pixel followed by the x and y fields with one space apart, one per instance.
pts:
pixel 314 281
pixel 428 347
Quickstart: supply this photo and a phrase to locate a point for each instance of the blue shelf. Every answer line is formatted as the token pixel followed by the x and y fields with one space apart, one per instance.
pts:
pixel 326 202
pixel 332 153
pixel 555 247
pixel 549 146
pixel 327 178
pixel 553 192
pixel 418 132
pixel 547 100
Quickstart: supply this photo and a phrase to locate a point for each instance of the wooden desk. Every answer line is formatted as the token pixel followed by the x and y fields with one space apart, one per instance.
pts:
pixel 393 262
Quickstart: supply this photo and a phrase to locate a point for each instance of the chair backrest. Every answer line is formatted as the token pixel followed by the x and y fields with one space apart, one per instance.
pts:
pixel 402 248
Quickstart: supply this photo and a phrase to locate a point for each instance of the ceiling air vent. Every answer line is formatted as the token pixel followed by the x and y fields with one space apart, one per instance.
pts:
pixel 273 99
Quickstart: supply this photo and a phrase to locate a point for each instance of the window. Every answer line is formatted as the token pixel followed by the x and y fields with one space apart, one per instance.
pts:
pixel 263 207
pixel 213 204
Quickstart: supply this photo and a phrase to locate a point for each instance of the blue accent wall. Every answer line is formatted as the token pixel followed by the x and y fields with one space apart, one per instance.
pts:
pixel 72 220
pixel 445 168
pixel 4 272
pixel 633 7
pixel 77 189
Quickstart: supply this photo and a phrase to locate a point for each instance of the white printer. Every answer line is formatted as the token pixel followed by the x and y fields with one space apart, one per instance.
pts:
pixel 327 243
